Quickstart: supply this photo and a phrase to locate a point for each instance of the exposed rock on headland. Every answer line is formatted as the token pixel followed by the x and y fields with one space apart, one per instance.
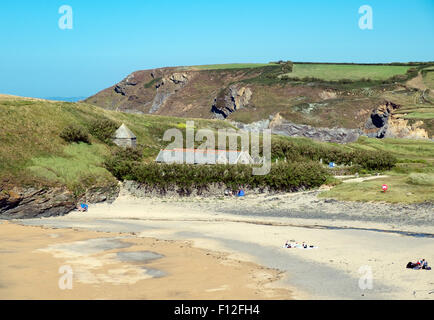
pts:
pixel 32 202
pixel 229 100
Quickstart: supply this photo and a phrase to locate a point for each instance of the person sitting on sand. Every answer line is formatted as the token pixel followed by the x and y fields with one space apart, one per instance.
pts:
pixel 82 207
pixel 421 264
pixel 424 265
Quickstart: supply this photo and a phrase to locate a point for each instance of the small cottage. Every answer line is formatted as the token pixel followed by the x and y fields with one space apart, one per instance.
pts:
pixel 124 137
pixel 199 156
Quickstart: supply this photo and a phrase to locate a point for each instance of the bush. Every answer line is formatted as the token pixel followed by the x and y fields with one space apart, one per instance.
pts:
pixel 286 67
pixel 282 177
pixel 122 161
pixel 75 133
pixel 373 160
pixel 369 160
pixel 103 129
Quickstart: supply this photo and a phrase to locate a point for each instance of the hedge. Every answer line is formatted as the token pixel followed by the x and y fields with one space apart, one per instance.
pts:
pixel 282 177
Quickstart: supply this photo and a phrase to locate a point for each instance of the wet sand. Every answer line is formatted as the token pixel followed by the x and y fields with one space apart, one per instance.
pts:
pixel 121 266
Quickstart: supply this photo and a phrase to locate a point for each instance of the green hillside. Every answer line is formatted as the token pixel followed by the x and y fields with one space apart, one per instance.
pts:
pixel 33 153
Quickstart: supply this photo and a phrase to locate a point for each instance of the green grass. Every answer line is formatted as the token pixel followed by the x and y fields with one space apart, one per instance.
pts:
pixel 334 72
pixel 428 79
pixel 420 115
pixel 411 181
pixel 80 166
pixel 400 191
pixel 401 148
pixel 229 66
pixel 421 179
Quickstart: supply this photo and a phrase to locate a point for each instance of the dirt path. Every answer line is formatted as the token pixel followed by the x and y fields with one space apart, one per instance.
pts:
pixel 361 179
pixel 417 82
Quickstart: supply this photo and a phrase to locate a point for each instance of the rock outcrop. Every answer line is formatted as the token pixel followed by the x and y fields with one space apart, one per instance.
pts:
pixel 382 123
pixel 166 87
pixel 20 203
pixel 231 99
pixel 122 87
pixel 338 135
pixel 32 202
pixel 279 125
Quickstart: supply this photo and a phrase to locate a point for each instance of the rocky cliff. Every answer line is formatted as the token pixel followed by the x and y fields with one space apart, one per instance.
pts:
pixel 311 108
pixel 384 122
pixel 33 202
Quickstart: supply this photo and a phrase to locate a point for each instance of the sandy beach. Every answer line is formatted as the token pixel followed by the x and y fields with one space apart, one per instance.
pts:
pixel 121 266
pixel 351 247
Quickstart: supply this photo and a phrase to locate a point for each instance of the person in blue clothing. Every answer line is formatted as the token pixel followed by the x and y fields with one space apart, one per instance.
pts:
pixel 241 193
pixel 83 207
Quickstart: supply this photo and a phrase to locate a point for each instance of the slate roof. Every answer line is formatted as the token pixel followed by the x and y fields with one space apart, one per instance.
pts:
pixel 200 156
pixel 124 133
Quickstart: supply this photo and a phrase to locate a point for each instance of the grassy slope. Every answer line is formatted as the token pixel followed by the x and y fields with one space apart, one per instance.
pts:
pixel 411 181
pixel 32 152
pixel 269 99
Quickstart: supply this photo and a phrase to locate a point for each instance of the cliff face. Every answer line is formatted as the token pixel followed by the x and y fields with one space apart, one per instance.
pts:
pixel 248 96
pixel 229 100
pixel 169 91
pixel 33 202
pixel 384 122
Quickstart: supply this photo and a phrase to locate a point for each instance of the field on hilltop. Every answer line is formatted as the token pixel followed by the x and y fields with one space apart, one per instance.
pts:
pixel 227 66
pixel 336 72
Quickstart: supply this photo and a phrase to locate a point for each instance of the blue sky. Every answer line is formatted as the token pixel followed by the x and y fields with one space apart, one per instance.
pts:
pixel 111 39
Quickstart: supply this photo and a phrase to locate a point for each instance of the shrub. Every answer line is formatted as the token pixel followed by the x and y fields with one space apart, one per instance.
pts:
pixel 373 160
pixel 103 129
pixel 286 67
pixel 73 133
pixel 122 161
pixel 283 176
